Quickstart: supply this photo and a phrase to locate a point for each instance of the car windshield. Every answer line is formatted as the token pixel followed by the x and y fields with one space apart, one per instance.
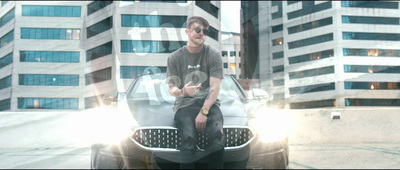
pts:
pixel 154 87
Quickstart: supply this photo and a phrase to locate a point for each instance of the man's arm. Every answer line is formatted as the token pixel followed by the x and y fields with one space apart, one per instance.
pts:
pixel 187 90
pixel 174 91
pixel 201 119
pixel 215 84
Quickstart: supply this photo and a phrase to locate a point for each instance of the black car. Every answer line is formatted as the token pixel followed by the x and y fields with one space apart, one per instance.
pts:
pixel 142 129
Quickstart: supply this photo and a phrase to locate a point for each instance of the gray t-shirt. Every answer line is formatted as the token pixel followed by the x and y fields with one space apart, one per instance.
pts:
pixel 184 66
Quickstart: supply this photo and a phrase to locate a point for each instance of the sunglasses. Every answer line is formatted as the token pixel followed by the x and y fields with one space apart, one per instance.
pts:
pixel 198 29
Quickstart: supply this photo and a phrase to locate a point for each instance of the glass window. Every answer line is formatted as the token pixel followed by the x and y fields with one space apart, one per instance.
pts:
pixel 279 96
pixel 279 82
pixel 6 60
pixel 232 53
pixel 97 5
pixel 292 2
pixel 7 17
pixel 51 11
pixel 92 102
pixel 145 46
pixel 313 104
pixel 76 11
pixel 49 56
pixel 39 10
pixel 98 76
pixel 312 88
pixel 6 39
pixel 76 34
pixel 312 72
pixel 371 69
pixel 224 53
pixel 372 85
pixel 371 52
pixel 153 21
pixel 213 33
pixel 69 11
pixel 277 28
pixel 371 36
pixel 131 72
pixel 99 27
pixel 33 11
pixel 5 104
pixel 277 69
pixel 5 82
pixel 63 34
pixel 278 41
pixel 310 25
pixel 57 34
pixel 57 11
pixel 208 7
pixel 225 65
pixel 372 102
pixel 63 11
pixel 279 13
pixel 371 4
pixel 61 56
pixel 309 8
pixel 48 103
pixel 311 41
pixel 45 10
pixel 68 35
pixel 50 33
pixel 26 10
pixel 99 51
pixel 370 20
pixel 277 55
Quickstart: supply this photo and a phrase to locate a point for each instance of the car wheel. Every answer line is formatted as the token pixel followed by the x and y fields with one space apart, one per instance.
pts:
pixel 95 149
pixel 236 165
pixel 280 161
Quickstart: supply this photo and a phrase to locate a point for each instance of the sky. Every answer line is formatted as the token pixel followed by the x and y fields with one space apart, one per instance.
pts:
pixel 230 16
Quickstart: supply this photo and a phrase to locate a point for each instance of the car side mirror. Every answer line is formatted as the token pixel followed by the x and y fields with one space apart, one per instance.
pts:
pixel 259 94
pixel 113 96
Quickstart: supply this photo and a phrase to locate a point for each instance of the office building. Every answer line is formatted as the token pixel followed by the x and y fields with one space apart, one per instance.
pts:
pixel 65 55
pixel 318 54
pixel 230 51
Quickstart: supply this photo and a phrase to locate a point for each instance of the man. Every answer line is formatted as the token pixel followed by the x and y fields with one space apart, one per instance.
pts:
pixel 194 75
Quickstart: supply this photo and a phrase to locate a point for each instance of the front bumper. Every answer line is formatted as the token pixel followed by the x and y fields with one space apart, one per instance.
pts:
pixel 130 155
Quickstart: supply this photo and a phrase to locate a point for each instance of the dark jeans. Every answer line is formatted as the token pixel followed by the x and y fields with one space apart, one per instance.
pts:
pixel 185 122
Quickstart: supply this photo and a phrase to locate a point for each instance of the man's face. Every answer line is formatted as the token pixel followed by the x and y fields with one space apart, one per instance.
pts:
pixel 196 34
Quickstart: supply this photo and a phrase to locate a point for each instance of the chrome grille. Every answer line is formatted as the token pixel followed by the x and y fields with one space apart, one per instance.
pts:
pixel 168 138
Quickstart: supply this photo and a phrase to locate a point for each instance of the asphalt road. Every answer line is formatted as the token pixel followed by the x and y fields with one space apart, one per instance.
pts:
pixel 356 156
pixel 345 156
pixel 62 141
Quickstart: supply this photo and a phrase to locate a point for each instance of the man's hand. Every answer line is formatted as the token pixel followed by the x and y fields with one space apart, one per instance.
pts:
pixel 201 122
pixel 189 90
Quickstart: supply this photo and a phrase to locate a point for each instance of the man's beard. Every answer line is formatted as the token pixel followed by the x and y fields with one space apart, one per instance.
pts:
pixel 197 42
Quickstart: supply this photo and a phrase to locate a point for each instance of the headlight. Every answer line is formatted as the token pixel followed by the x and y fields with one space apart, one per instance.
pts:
pixel 111 126
pixel 270 124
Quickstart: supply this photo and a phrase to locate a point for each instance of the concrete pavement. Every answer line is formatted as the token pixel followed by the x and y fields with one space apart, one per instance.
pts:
pixel 345 156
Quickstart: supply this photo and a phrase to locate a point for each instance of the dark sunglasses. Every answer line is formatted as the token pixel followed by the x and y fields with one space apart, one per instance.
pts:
pixel 198 29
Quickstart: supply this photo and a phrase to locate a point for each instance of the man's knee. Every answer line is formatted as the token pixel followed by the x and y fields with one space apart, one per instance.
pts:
pixel 188 144
pixel 216 140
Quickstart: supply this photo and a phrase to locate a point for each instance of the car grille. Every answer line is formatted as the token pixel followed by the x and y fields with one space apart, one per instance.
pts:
pixel 168 138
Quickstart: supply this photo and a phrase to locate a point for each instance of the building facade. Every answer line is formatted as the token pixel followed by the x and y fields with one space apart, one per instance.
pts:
pixel 64 55
pixel 316 54
pixel 230 52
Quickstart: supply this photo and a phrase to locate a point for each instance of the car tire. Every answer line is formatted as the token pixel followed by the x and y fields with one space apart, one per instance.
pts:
pixel 95 149
pixel 236 165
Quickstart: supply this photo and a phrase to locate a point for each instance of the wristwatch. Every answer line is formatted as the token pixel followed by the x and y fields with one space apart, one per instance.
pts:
pixel 204 111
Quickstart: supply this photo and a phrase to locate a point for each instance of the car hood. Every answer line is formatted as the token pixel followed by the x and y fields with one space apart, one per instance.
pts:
pixel 155 113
